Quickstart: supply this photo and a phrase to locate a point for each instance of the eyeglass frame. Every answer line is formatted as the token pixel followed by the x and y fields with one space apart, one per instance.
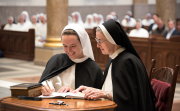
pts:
pixel 100 41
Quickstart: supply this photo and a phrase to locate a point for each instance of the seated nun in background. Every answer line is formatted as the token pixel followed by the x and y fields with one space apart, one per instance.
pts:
pixel 115 16
pixel 139 32
pixel 69 19
pixel 108 17
pixel 10 26
pixel 42 30
pixel 27 21
pixel 128 22
pixel 100 19
pixel 125 78
pixel 148 20
pixel 77 18
pixel 129 13
pixel 76 67
pixel 95 16
pixel 89 22
pixel 21 26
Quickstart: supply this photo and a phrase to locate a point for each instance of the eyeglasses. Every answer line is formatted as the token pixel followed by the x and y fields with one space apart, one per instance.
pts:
pixel 99 41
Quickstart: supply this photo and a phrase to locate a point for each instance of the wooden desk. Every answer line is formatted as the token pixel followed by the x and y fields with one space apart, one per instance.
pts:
pixel 13 104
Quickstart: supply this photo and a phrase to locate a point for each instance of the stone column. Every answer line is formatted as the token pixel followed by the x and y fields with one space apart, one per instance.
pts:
pixel 57 19
pixel 140 8
pixel 166 9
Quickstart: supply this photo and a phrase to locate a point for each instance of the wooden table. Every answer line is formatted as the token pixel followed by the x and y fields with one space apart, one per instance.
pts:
pixel 13 104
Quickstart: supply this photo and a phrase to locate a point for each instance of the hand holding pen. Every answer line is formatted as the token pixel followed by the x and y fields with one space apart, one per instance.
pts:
pixel 46 90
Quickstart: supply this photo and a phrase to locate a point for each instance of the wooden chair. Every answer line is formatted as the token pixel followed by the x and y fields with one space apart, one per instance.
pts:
pixel 163 82
pixel 153 62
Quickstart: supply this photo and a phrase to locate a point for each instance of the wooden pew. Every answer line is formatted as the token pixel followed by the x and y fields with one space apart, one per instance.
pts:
pixel 165 52
pixel 18 45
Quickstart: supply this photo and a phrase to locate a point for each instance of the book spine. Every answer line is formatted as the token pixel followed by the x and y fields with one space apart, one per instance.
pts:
pixel 35 92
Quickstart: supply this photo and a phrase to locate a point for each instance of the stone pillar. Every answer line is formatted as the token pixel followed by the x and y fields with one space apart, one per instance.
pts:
pixel 166 9
pixel 57 19
pixel 140 8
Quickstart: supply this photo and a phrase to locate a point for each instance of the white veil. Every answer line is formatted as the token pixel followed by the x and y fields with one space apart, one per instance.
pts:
pixel 27 15
pixel 88 25
pixel 84 39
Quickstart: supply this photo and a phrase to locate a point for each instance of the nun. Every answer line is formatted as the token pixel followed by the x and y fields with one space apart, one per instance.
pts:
pixel 77 18
pixel 89 22
pixel 100 19
pixel 69 19
pixel 108 17
pixel 125 78
pixel 127 21
pixel 10 26
pixel 42 30
pixel 139 31
pixel 27 20
pixel 21 26
pixel 76 67
pixel 148 20
pixel 95 15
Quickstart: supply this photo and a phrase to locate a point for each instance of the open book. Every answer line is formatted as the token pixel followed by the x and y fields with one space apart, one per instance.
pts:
pixel 65 95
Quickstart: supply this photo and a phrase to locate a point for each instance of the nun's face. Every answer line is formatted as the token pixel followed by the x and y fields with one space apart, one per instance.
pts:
pixel 72 46
pixel 21 20
pixel 76 17
pixel 105 46
pixel 10 20
pixel 138 25
pixel 34 20
pixel 89 20
pixel 99 19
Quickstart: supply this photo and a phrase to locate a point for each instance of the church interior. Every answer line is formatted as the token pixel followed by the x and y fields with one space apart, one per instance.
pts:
pixel 30 34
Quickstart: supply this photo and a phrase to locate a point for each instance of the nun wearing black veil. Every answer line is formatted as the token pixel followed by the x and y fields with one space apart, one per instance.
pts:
pixel 125 78
pixel 66 72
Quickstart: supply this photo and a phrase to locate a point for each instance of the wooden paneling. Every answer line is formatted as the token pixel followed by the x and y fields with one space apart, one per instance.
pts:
pixel 18 45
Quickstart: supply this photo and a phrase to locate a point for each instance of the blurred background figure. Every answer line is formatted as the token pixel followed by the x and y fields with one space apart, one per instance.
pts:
pixel 95 16
pixel 171 30
pixel 100 19
pixel 21 26
pixel 161 29
pixel 35 25
pixel 89 24
pixel 131 16
pixel 127 22
pixel 153 25
pixel 77 18
pixel 109 17
pixel 115 16
pixel 178 25
pixel 69 19
pixel 139 32
pixel 10 26
pixel 42 31
pixel 148 20
pixel 26 16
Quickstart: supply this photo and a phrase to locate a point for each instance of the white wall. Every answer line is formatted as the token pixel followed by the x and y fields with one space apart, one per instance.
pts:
pixel 71 2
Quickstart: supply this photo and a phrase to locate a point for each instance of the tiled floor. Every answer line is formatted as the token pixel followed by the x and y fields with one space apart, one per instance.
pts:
pixel 13 71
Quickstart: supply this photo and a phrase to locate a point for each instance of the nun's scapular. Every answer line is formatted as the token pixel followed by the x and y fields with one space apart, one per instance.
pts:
pixel 131 88
pixel 84 71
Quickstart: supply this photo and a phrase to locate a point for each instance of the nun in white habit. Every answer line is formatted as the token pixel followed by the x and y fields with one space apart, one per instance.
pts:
pixel 109 17
pixel 10 25
pixel 95 16
pixel 69 19
pixel 148 20
pixel 67 71
pixel 139 32
pixel 77 18
pixel 100 19
pixel 89 22
pixel 21 26
pixel 27 20
pixel 127 22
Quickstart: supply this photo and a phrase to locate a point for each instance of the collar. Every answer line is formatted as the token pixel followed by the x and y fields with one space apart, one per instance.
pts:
pixel 79 60
pixel 117 52
pixel 171 31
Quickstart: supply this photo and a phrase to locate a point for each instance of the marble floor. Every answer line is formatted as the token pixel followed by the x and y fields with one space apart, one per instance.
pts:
pixel 13 71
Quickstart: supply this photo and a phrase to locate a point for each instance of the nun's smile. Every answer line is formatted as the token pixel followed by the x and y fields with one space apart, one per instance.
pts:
pixel 72 46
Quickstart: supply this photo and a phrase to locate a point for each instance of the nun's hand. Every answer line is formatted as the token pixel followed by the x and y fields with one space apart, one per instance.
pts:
pixel 46 91
pixel 92 93
pixel 65 89
pixel 80 89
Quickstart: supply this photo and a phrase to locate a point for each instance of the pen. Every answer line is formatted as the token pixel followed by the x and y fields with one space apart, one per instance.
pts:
pixel 48 85
pixel 59 104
